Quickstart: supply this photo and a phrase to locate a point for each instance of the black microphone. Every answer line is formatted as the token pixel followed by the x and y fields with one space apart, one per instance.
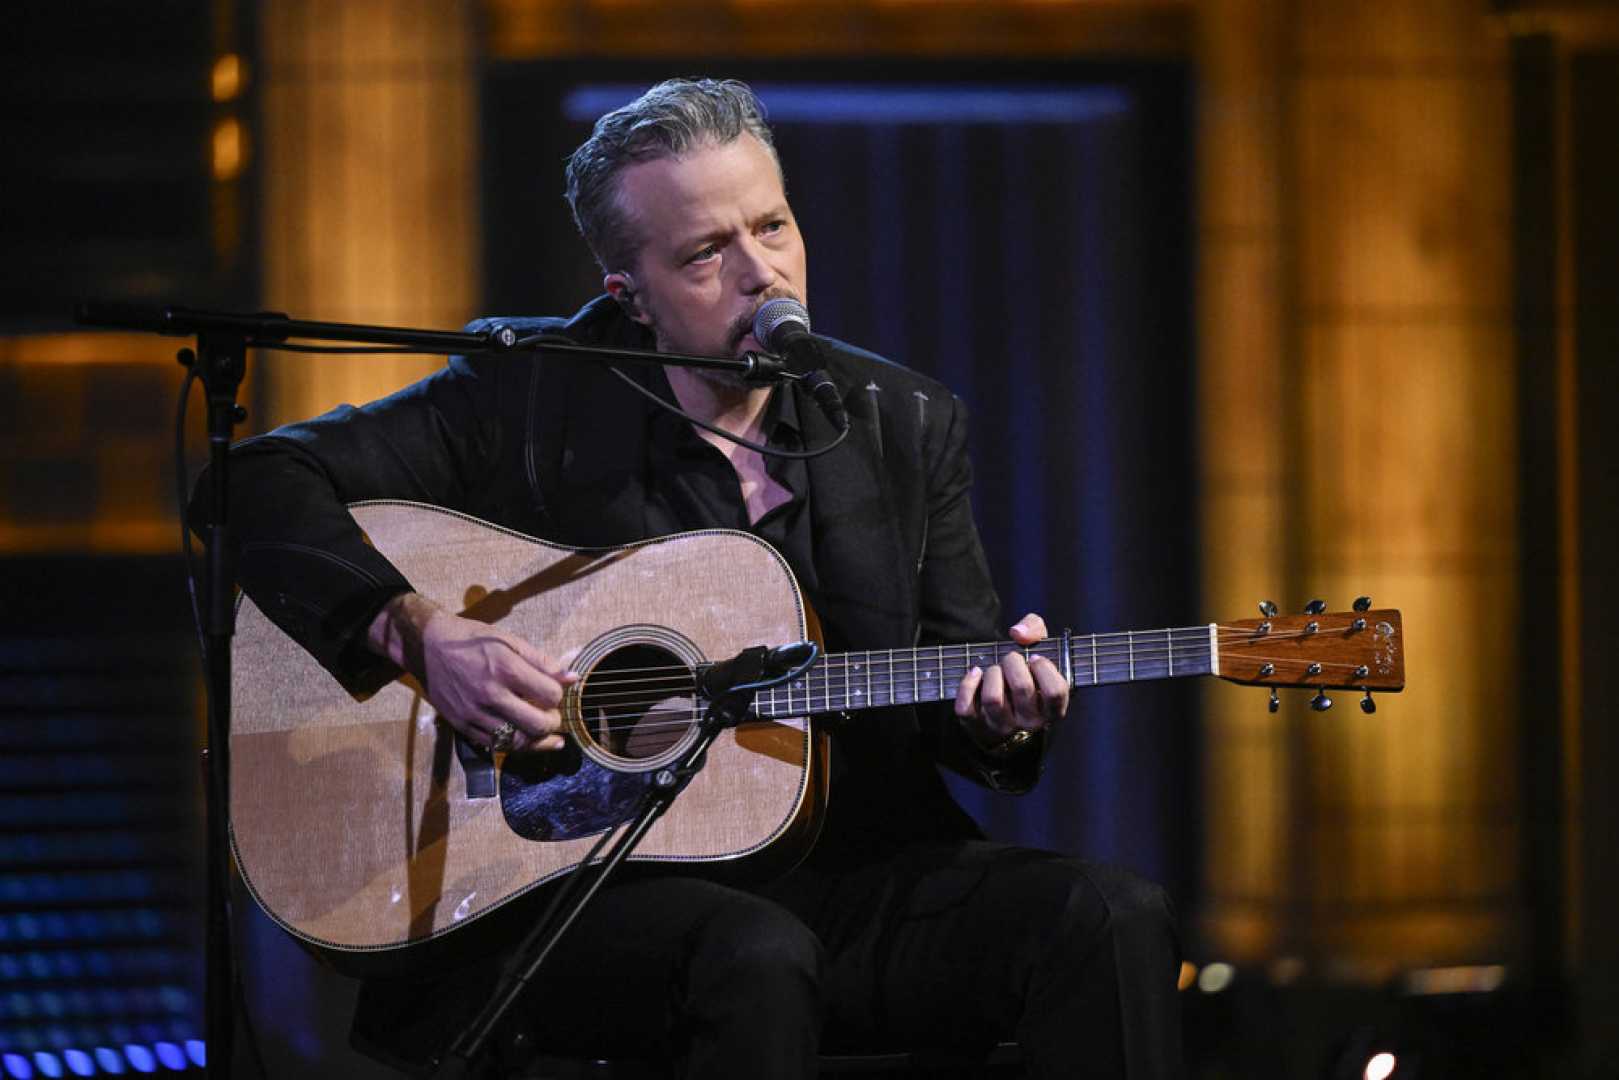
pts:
pixel 758 665
pixel 782 325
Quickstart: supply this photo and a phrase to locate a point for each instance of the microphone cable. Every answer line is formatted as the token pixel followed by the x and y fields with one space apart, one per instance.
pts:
pixel 843 428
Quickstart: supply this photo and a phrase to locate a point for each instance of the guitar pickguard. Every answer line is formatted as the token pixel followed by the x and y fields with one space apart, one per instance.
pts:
pixel 564 796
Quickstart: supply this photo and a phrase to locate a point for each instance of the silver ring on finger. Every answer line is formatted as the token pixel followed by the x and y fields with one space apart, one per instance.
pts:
pixel 505 735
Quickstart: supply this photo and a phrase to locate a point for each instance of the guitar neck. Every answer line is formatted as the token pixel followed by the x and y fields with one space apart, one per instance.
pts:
pixel 845 682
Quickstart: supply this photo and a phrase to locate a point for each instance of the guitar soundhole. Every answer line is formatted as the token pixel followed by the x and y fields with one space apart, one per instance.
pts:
pixel 638 702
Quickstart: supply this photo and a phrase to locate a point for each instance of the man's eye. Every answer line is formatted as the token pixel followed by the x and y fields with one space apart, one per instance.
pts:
pixel 704 254
pixel 773 226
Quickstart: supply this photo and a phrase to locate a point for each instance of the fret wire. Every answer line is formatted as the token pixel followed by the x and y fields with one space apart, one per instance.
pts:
pixel 1129 664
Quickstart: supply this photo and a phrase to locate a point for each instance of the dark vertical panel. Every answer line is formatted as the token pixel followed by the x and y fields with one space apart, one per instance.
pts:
pixel 1535 279
pixel 1594 90
pixel 106 160
pixel 954 276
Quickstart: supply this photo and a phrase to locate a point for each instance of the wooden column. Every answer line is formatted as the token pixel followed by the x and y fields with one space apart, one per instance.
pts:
pixel 369 148
pixel 1391 839
pixel 1246 459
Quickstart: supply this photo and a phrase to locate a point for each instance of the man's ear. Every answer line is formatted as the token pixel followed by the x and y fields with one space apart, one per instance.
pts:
pixel 621 287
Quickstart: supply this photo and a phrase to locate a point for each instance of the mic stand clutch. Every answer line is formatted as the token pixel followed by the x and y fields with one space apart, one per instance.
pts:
pixel 744 676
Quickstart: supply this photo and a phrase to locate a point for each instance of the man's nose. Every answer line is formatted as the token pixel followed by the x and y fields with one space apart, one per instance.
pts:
pixel 755 272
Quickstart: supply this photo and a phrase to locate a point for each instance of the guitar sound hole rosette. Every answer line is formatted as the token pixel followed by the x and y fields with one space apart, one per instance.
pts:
pixel 634 708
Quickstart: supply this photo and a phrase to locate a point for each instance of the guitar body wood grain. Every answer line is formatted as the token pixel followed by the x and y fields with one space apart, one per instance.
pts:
pixel 350 818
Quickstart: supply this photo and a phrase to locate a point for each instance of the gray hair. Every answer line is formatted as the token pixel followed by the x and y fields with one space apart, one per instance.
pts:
pixel 668 120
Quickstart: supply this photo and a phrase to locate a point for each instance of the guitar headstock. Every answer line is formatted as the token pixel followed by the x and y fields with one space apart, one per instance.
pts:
pixel 1320 650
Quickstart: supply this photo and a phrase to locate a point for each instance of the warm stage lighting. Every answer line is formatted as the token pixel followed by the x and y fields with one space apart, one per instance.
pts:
pixel 1215 977
pixel 227 77
pixel 228 149
pixel 1380 1067
pixel 1471 979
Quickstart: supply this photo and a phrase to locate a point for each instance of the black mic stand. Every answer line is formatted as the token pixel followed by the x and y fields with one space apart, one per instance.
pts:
pixel 725 709
pixel 220 361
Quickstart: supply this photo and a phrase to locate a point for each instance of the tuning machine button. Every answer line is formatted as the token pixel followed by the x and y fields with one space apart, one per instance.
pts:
pixel 1275 702
pixel 1315 607
pixel 1363 603
pixel 1321 702
pixel 1268 608
pixel 1367 705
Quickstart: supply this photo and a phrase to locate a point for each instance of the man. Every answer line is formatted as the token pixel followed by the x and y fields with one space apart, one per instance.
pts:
pixel 903 927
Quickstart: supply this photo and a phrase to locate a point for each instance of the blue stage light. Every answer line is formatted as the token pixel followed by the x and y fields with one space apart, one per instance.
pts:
pixel 109 1060
pixel 197 1051
pixel 171 1056
pixel 140 1058
pixel 79 1063
pixel 17 1067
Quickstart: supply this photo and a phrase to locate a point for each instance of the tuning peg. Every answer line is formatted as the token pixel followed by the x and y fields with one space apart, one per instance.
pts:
pixel 1315 607
pixel 1268 608
pixel 1367 705
pixel 1363 603
pixel 1275 702
pixel 1321 702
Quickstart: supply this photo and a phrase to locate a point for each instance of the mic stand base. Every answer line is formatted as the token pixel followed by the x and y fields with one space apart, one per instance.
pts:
pixel 583 884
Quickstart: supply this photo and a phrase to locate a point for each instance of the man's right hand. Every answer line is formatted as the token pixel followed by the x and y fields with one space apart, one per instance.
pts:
pixel 477 676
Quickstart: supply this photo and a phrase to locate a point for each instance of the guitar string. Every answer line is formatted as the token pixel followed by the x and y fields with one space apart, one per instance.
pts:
pixel 1194 634
pixel 832 698
pixel 912 664
pixel 1154 646
pixel 878 676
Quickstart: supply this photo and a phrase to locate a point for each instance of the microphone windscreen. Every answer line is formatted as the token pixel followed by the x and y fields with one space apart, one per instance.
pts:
pixel 774 316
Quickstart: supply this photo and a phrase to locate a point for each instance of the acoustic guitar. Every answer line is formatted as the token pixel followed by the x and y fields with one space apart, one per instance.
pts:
pixel 365 826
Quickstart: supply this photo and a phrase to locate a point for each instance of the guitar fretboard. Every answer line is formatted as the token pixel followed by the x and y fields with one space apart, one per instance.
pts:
pixel 844 682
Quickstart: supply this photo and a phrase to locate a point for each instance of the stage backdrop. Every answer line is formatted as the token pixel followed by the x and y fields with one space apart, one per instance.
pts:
pixel 1020 235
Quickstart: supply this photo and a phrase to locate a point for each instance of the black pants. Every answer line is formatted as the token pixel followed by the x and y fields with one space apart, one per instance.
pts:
pixel 946 946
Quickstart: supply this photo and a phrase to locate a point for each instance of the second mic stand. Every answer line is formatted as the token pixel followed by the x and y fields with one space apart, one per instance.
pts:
pixel 725 710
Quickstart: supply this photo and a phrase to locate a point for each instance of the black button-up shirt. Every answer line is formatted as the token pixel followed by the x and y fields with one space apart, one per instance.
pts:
pixel 702 491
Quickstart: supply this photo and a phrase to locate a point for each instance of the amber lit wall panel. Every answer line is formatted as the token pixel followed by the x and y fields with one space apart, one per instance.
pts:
pixel 526 29
pixel 1358 419
pixel 1402 214
pixel 1243 412
pixel 370 183
pixel 87 445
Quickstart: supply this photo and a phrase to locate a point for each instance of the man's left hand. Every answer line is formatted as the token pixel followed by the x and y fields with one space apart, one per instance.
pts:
pixel 1014 695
